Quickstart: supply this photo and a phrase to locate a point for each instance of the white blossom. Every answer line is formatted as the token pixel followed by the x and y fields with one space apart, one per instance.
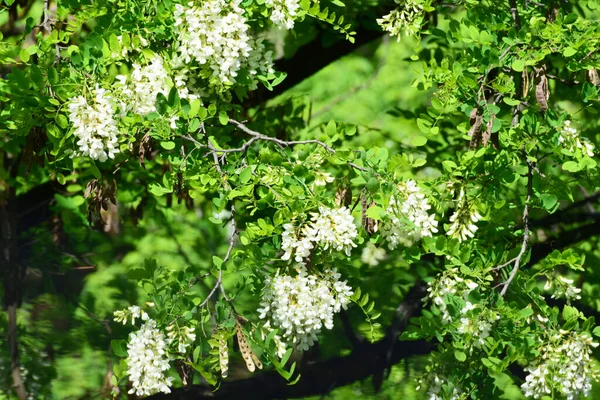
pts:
pixel 301 305
pixel 215 34
pixel 434 383
pixel 563 287
pixel 144 84
pixel 564 366
pixel 293 243
pixel 94 125
pixel 477 328
pixel 133 312
pixel 183 336
pixel 330 228
pixel 333 227
pixel 283 12
pixel 463 220
pixel 569 138
pixel 148 361
pixel 323 178
pixel 409 219
pixel 407 18
pixel 449 283
pixel 372 255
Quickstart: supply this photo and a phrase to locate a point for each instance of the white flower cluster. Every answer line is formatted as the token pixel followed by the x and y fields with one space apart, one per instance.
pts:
pixel 372 255
pixel 293 243
pixel 132 312
pixel 300 306
pixel 563 288
pixel 215 34
pixel 146 82
pixel 408 17
pixel 408 216
pixel 183 336
pixel 95 125
pixel 477 328
pixel 284 12
pixel 564 367
pixel 434 391
pixel 571 140
pixel 463 220
pixel 323 178
pixel 148 361
pixel 332 228
pixel 449 283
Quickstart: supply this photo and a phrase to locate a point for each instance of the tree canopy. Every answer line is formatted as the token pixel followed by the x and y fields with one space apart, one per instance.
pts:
pixel 295 198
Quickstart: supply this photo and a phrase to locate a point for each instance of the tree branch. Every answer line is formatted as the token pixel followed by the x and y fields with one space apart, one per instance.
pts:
pixel 526 231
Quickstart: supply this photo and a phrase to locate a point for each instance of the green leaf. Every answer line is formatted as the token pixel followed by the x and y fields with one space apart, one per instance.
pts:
pixel 24 55
pixel 167 145
pixel 418 141
pixel 212 109
pixel 525 312
pixel 449 165
pixel 245 175
pixel 571 166
pixel 373 184
pixel 374 212
pixel 118 347
pixel 548 201
pixel 161 104
pixel 218 261
pixel 459 355
pixel 331 128
pixel 569 52
pixel 223 118
pixel 423 125
pixel 518 65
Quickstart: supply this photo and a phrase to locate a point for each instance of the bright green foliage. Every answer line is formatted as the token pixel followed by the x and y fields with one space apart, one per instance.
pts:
pixel 466 155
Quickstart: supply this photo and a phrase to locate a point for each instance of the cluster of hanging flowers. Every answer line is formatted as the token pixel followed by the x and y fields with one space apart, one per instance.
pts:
pixel 563 288
pixel 148 361
pixel 215 34
pixel 407 18
pixel 145 83
pixel 132 312
pixel 569 138
pixel 409 218
pixel 372 255
pixel 462 222
pixel 450 283
pixel 434 384
pixel 331 228
pixel 476 327
pixel 283 12
pixel 564 367
pixel 301 305
pixel 95 125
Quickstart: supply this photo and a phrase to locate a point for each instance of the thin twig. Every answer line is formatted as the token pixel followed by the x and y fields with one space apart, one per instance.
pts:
pixel 284 143
pixel 526 231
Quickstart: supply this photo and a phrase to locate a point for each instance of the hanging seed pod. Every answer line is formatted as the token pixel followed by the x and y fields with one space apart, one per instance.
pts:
pixel 592 76
pixel 475 131
pixel 247 354
pixel 542 94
